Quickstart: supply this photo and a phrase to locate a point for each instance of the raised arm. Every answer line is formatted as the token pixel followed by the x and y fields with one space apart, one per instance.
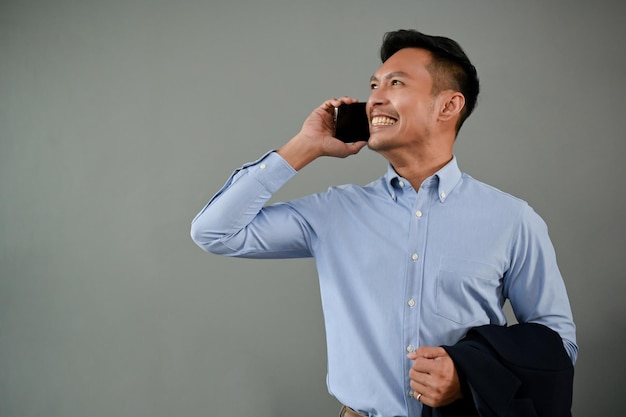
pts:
pixel 235 222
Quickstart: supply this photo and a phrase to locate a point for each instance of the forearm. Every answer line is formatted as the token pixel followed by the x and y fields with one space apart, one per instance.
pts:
pixel 239 202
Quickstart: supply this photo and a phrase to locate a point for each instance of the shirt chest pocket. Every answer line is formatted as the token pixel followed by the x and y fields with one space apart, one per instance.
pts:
pixel 467 291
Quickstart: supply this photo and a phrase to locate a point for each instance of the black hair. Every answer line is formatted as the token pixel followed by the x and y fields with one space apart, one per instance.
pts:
pixel 451 68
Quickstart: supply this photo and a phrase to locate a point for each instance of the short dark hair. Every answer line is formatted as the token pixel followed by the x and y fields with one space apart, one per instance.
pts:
pixel 451 68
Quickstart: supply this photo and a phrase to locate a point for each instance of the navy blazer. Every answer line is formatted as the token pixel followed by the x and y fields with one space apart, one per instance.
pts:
pixel 517 371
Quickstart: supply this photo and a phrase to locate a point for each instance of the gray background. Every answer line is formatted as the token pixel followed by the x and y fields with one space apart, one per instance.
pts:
pixel 119 119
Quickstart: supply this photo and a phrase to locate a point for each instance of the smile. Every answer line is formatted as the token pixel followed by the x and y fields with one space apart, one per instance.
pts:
pixel 383 121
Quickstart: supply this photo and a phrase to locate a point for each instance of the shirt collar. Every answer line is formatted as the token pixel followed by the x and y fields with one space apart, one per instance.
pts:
pixel 445 179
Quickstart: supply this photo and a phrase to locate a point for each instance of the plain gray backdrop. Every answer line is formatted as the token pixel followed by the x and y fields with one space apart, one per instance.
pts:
pixel 120 119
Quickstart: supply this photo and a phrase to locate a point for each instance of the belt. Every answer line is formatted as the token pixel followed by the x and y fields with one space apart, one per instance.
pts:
pixel 348 412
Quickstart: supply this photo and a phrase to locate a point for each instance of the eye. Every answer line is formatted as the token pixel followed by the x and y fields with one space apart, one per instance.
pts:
pixel 396 82
pixel 373 86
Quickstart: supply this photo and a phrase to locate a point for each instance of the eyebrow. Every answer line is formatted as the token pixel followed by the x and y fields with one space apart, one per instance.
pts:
pixel 396 74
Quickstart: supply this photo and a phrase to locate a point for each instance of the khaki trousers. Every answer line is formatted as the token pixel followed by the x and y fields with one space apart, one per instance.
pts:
pixel 348 412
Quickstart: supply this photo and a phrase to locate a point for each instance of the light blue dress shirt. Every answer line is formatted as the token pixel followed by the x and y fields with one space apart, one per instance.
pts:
pixel 398 268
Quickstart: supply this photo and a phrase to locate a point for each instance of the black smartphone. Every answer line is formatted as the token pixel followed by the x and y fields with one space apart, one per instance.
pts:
pixel 351 123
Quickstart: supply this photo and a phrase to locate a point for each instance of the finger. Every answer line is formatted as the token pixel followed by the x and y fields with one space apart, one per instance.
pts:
pixel 418 395
pixel 430 352
pixel 329 103
pixel 336 102
pixel 424 399
pixel 356 146
pixel 420 374
pixel 420 388
pixel 347 99
pixel 347 149
pixel 426 368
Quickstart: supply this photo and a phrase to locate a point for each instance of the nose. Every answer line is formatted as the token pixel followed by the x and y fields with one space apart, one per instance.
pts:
pixel 377 97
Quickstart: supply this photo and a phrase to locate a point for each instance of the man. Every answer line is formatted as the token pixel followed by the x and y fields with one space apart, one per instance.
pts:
pixel 413 260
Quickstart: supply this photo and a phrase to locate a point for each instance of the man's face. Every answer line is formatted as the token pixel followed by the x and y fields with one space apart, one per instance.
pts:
pixel 400 106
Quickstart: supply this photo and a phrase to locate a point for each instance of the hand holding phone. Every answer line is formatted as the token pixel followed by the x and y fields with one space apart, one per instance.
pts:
pixel 351 123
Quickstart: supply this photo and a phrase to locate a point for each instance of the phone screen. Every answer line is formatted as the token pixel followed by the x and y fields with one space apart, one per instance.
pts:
pixel 351 123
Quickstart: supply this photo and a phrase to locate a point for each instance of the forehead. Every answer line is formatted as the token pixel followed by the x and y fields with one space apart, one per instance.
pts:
pixel 411 62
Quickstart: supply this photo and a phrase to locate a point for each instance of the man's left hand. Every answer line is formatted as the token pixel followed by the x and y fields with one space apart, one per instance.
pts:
pixel 434 376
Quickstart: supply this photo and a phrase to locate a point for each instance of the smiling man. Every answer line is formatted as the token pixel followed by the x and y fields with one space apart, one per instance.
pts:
pixel 413 261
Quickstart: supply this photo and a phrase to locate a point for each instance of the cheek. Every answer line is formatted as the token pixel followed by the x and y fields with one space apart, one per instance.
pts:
pixel 413 117
pixel 419 111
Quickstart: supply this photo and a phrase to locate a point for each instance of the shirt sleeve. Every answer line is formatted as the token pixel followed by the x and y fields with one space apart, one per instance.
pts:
pixel 534 284
pixel 236 222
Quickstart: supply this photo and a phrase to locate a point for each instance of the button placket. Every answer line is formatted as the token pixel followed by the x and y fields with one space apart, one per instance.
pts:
pixel 414 284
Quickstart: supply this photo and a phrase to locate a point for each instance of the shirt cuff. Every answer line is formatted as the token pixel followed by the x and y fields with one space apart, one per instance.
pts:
pixel 271 171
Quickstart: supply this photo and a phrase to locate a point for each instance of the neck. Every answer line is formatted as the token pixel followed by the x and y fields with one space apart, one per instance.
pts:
pixel 418 158
pixel 416 168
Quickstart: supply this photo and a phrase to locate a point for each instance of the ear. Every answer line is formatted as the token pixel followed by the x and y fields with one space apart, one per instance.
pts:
pixel 451 105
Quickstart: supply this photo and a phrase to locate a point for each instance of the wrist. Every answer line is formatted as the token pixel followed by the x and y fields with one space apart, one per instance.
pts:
pixel 296 152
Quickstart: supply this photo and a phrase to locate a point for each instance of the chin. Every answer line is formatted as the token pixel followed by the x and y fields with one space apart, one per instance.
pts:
pixel 376 143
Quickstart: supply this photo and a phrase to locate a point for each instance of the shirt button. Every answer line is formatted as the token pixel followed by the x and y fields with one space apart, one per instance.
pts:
pixel 401 183
pixel 442 195
pixel 415 256
pixel 410 348
pixel 411 393
pixel 411 303
pixel 418 213
pixel 262 166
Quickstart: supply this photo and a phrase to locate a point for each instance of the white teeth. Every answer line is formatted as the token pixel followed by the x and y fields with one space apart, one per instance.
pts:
pixel 382 121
